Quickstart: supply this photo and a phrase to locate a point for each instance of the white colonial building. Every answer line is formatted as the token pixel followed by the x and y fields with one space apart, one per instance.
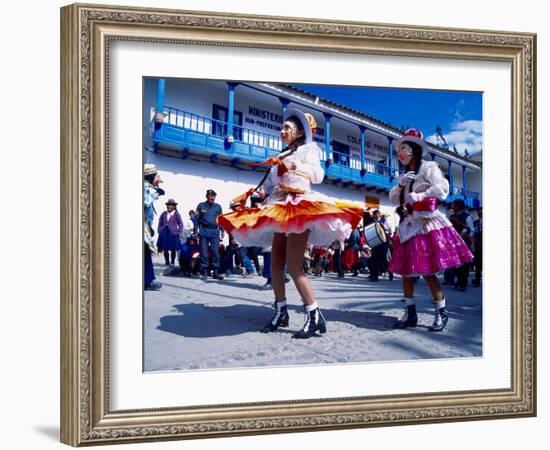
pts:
pixel 208 131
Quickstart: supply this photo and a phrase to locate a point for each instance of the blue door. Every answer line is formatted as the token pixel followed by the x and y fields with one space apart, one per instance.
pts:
pixel 219 122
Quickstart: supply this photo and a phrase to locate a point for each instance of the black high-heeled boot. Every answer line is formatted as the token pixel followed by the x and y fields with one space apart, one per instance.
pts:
pixel 279 319
pixel 440 319
pixel 409 319
pixel 314 321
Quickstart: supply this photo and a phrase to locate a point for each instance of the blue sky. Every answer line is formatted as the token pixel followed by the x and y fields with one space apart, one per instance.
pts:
pixel 459 114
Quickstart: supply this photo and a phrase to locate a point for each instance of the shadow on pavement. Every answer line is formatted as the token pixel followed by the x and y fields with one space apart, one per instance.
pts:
pixel 201 321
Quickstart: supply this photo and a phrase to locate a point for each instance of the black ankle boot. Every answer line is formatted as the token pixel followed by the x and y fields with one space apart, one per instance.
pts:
pixel 409 319
pixel 314 321
pixel 279 319
pixel 217 275
pixel 440 320
pixel 204 276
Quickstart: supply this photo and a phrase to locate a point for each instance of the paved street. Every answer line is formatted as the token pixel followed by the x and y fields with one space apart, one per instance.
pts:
pixel 190 324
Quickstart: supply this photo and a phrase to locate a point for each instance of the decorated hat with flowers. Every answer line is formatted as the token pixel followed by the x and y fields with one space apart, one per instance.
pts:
pixel 412 135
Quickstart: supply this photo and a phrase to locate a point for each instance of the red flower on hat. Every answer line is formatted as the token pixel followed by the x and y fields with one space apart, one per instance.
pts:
pixel 414 133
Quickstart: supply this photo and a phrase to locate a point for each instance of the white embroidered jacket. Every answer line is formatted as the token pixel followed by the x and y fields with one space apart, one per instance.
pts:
pixel 308 169
pixel 429 182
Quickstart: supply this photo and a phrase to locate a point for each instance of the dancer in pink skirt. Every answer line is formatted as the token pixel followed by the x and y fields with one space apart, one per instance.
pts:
pixel 425 242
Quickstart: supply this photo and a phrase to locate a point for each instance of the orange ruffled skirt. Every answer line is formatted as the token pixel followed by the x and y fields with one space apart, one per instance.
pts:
pixel 325 221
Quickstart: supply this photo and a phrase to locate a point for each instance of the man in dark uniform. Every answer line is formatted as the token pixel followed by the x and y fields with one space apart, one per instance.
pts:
pixel 464 225
pixel 209 233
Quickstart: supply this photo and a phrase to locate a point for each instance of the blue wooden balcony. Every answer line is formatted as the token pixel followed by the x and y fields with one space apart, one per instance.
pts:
pixel 190 133
pixel 374 176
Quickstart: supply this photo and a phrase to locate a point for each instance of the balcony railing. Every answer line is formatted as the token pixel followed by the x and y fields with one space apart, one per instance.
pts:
pixel 257 138
pixel 466 193
pixel 191 121
pixel 354 162
pixel 345 160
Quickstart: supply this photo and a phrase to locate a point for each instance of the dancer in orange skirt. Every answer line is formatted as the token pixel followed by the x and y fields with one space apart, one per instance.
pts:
pixel 291 216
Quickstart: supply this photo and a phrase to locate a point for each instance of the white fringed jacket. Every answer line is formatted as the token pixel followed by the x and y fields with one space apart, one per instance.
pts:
pixel 429 185
pixel 308 171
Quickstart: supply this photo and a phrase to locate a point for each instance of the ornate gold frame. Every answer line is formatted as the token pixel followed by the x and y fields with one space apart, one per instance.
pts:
pixel 86 31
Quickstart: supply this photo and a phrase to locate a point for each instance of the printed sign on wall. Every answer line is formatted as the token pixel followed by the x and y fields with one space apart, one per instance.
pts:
pixel 372 202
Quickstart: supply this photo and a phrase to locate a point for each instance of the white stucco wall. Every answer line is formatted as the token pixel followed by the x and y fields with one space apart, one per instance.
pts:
pixel 186 181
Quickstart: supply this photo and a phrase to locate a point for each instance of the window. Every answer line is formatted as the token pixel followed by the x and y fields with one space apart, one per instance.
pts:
pixel 340 153
pixel 219 122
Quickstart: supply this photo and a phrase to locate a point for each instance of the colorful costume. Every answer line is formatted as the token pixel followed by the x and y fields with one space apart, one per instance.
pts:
pixel 426 242
pixel 293 207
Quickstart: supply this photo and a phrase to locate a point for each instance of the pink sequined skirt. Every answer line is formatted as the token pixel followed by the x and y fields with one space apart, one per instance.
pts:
pixel 430 253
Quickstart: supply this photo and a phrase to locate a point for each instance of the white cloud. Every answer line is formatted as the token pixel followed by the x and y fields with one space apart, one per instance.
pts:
pixel 458 110
pixel 467 134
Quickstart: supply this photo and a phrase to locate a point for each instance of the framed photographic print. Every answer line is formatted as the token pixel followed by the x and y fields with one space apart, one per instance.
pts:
pixel 276 224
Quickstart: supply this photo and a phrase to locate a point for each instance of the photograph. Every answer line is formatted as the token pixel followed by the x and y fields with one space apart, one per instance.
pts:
pixel 289 224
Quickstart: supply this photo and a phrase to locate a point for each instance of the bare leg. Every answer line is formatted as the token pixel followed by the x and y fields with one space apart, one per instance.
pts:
pixel 408 287
pixel 295 246
pixel 435 287
pixel 278 261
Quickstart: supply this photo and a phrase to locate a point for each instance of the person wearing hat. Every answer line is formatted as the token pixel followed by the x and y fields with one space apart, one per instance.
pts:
pixel 151 192
pixel 209 234
pixel 170 227
pixel 292 215
pixel 425 243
